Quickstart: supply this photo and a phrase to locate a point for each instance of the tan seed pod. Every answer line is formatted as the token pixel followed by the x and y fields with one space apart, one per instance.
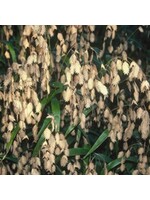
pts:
pixel 91 166
pixel 68 76
pixel 66 152
pixel 119 135
pixel 67 94
pixel 81 79
pixel 22 125
pixel 120 154
pixel 7 55
pixel 4 170
pixel 57 151
pixel 145 159
pixel 128 153
pixel 145 86
pixel 106 113
pixel 125 68
pixel 60 36
pixel 77 67
pixel 62 144
pixel 135 172
pixel 122 167
pixel 63 161
pixel 90 84
pixel 111 146
pixel 101 88
pixel 57 138
pixel 11 118
pixel 35 130
pixel 10 126
pixel 92 37
pixel 140 150
pixel 35 171
pixel 23 160
pixel 38 107
pixel 113 136
pixel 119 64
pixel 53 169
pixel 52 158
pixel 124 118
pixel 92 28
pixel 47 133
pixel 125 146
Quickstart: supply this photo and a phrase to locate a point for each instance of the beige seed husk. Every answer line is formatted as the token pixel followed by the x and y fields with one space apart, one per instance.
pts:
pixel 91 166
pixel 125 68
pixel 90 84
pixel 47 133
pixel 119 64
pixel 38 107
pixel 122 167
pixel 10 126
pixel 140 150
pixel 67 94
pixel 35 172
pixel 7 55
pixel 57 151
pixel 63 161
pixel 127 154
pixel 23 160
pixel 66 152
pixel 11 118
pixel 120 154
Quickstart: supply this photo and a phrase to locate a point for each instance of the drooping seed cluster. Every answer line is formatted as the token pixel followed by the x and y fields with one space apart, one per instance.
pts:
pixel 118 92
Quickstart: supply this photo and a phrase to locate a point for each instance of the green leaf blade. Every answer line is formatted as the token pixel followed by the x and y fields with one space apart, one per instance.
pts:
pixel 98 142
pixel 56 113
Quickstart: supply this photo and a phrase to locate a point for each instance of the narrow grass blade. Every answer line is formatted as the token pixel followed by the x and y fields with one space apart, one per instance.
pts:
pixel 13 135
pixel 56 113
pixel 69 130
pixel 12 52
pixel 53 93
pixel 41 137
pixel 114 164
pixel 38 146
pixel 44 126
pixel 78 151
pixel 88 110
pixel 98 142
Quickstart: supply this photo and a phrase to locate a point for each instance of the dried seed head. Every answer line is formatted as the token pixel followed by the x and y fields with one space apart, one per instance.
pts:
pixel 67 94
pixel 90 84
pixel 57 151
pixel 23 160
pixel 10 126
pixel 120 154
pixel 35 172
pixel 122 167
pixel 63 161
pixel 47 133
pixel 140 150
pixel 91 166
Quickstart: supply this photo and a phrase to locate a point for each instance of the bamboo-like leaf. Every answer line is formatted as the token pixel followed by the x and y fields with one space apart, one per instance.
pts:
pixel 114 164
pixel 78 151
pixel 70 129
pixel 88 110
pixel 12 52
pixel 38 146
pixel 98 142
pixel 44 126
pixel 41 137
pixel 13 135
pixel 56 113
pixel 53 93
